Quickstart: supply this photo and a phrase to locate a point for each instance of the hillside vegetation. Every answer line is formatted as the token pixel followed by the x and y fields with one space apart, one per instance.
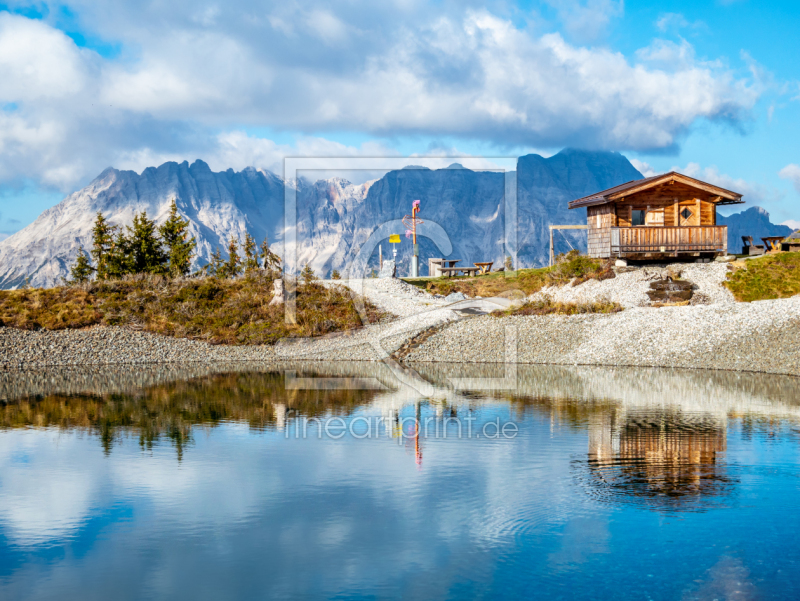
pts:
pixel 770 277
pixel 569 267
pixel 230 311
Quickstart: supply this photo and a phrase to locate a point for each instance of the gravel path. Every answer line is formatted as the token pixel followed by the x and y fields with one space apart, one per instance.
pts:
pixel 760 336
pixel 629 288
pixel 393 295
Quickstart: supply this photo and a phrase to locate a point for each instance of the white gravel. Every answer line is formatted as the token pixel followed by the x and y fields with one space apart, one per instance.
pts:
pixel 394 295
pixel 629 288
pixel 760 336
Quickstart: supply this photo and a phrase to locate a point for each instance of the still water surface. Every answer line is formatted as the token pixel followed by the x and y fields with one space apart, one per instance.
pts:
pixel 200 483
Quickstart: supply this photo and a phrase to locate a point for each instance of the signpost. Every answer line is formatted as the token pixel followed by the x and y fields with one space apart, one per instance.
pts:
pixel 394 240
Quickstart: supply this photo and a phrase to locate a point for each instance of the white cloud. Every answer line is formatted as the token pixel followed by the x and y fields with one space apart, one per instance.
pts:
pixel 676 21
pixel 751 192
pixel 587 20
pixel 644 168
pixel 792 223
pixel 792 173
pixel 192 80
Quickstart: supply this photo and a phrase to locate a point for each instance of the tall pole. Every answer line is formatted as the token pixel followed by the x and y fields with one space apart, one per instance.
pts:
pixel 551 246
pixel 415 256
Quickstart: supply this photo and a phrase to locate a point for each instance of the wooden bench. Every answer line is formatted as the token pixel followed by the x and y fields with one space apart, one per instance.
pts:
pixel 751 249
pixel 485 267
pixel 450 271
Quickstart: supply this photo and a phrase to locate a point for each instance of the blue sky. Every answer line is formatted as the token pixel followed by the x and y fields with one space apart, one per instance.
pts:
pixel 709 88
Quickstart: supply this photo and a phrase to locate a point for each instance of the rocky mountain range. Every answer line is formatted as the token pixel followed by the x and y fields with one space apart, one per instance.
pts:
pixel 485 214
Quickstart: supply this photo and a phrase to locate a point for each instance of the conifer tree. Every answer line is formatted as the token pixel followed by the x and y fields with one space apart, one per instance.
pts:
pixel 146 254
pixel 179 250
pixel 269 259
pixel 307 275
pixel 82 270
pixel 216 267
pixel 509 264
pixel 335 275
pixel 118 258
pixel 234 265
pixel 250 253
pixel 102 244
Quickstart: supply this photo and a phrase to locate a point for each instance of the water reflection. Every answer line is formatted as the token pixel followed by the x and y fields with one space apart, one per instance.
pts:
pixel 620 483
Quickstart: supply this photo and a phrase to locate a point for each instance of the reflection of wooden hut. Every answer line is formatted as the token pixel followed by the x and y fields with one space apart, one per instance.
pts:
pixel 668 215
pixel 663 457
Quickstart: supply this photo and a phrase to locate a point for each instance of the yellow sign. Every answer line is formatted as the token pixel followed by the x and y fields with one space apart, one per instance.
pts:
pixel 394 238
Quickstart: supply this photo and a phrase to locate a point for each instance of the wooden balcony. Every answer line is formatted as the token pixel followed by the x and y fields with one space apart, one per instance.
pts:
pixel 669 240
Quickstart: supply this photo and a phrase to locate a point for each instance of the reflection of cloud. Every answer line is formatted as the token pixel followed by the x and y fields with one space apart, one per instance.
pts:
pixel 729 578
pixel 50 495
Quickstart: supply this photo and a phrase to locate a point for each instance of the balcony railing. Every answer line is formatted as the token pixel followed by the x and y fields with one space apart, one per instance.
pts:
pixel 652 239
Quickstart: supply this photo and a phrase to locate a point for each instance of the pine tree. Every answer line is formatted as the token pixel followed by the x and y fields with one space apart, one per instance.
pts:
pixel 147 256
pixel 335 275
pixel 307 275
pixel 102 244
pixel 118 258
pixel 250 253
pixel 270 259
pixel 509 265
pixel 234 265
pixel 216 267
pixel 174 234
pixel 82 270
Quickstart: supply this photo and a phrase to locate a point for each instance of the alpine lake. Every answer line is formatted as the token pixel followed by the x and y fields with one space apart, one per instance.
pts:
pixel 382 481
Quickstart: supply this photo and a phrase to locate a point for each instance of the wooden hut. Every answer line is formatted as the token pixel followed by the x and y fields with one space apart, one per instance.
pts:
pixel 670 215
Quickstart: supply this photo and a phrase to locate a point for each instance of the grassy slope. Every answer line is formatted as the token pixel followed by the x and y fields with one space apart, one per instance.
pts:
pixel 218 311
pixel 769 277
pixel 528 281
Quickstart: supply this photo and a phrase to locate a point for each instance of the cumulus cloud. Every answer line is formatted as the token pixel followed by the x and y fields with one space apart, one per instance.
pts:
pixel 188 82
pixel 751 192
pixel 644 168
pixel 792 173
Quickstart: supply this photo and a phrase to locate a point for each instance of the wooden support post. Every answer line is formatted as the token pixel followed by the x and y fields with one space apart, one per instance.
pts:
pixel 551 246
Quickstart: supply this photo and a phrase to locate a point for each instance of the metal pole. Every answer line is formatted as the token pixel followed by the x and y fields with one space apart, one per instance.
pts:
pixel 551 246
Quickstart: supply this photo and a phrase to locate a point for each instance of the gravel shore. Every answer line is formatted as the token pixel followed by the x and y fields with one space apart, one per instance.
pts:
pixel 760 337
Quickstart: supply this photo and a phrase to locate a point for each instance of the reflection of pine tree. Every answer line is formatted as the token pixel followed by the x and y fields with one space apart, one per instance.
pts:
pixel 335 275
pixel 307 275
pixel 173 235
pixel 509 265
pixel 233 267
pixel 250 253
pixel 102 244
pixel 82 269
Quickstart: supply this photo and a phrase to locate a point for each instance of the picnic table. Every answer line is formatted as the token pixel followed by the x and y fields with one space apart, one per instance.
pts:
pixel 485 267
pixel 773 242
pixel 449 271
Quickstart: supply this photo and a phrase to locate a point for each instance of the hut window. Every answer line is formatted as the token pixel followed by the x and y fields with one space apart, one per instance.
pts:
pixel 686 213
pixel 637 216
pixel 655 217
